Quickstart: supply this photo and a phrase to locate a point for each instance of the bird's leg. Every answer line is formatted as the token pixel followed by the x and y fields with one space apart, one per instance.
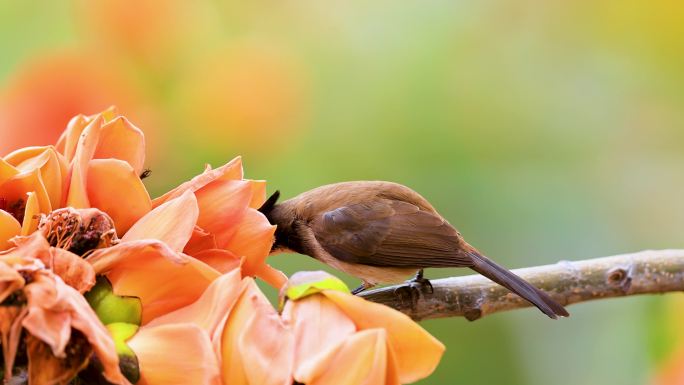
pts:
pixel 421 282
pixel 365 285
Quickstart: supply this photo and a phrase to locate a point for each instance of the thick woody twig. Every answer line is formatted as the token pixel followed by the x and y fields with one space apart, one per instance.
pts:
pixel 474 296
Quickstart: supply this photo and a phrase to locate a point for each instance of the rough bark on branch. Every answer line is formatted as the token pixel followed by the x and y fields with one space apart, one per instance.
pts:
pixel 474 296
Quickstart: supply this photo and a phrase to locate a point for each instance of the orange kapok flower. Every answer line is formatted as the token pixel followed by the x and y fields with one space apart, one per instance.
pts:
pixel 148 262
pixel 61 330
pixel 229 227
pixel 106 154
pixel 334 329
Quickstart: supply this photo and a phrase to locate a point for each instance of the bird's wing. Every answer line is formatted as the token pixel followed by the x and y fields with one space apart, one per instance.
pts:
pixel 386 232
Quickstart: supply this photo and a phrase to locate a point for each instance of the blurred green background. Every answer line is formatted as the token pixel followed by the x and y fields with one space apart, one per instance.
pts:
pixel 542 130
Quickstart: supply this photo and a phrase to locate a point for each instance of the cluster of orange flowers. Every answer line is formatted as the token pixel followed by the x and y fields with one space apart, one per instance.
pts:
pixel 98 281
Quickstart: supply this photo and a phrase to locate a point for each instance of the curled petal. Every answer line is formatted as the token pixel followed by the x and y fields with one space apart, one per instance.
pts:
pixel 17 188
pixel 120 139
pixel 73 269
pixel 9 228
pixel 7 171
pixel 69 139
pixel 173 222
pixel 52 166
pixel 271 275
pixel 222 205
pixel 115 188
pixel 77 196
pixel 253 240
pixel 163 279
pixel 175 354
pixel 230 171
pixel 210 310
pixel 417 352
pixel 258 193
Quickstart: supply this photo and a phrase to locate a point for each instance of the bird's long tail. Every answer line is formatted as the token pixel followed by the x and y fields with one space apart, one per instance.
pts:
pixel 519 286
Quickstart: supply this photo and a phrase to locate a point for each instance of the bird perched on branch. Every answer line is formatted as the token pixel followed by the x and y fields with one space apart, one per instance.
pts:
pixel 383 232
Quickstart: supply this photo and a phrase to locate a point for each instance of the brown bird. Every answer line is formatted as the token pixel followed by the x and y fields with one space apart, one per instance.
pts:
pixel 383 232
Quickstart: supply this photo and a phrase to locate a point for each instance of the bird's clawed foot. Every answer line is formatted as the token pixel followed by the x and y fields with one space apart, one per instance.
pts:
pixel 421 283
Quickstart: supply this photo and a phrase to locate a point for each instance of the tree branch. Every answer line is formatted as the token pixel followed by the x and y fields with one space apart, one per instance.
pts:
pixel 474 296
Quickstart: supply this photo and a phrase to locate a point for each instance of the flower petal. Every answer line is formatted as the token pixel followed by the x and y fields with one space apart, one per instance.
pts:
pixel 120 139
pixel 319 327
pixel 10 280
pixel 360 359
pixel 52 166
pixel 115 188
pixel 163 279
pixel 17 187
pixel 173 222
pixel 222 205
pixel 31 214
pixel 258 193
pixel 9 228
pixel 210 310
pixel 6 171
pixel 253 240
pixel 77 196
pixel 73 270
pixel 266 346
pixel 199 241
pixel 232 362
pixel 230 171
pixel 221 260
pixel 175 354
pixel 69 139
pixel 417 352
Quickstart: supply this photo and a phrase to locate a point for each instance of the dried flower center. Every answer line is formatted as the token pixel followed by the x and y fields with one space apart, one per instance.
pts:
pixel 78 231
pixel 15 209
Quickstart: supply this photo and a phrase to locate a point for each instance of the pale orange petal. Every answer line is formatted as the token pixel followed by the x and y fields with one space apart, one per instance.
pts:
pixel 77 196
pixel 18 186
pixel 209 312
pixel 222 205
pixel 9 228
pixel 31 214
pixel 230 171
pixel 221 260
pixel 175 354
pixel 6 171
pixel 199 241
pixel 52 168
pixel 359 360
pixel 173 222
pixel 115 188
pixel 258 193
pixel 416 351
pixel 319 326
pixel 163 279
pixel 232 362
pixel 271 275
pixel 73 269
pixel 266 346
pixel 253 240
pixel 69 139
pixel 119 139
